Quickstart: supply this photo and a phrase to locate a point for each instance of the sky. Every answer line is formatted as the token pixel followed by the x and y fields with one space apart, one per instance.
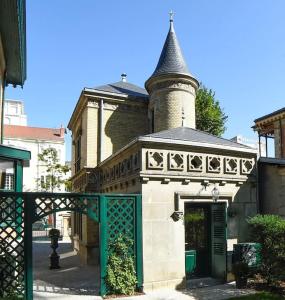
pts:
pixel 236 48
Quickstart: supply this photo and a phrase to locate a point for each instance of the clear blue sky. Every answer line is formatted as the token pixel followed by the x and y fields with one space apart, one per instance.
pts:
pixel 235 47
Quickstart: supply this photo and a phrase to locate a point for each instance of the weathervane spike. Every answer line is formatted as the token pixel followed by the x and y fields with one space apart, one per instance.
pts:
pixel 171 15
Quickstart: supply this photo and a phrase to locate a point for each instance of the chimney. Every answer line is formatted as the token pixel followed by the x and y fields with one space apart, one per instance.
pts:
pixel 124 77
pixel 61 131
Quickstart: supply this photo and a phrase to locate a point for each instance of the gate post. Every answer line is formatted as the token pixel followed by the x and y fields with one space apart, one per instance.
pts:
pixel 138 231
pixel 103 243
pixel 28 244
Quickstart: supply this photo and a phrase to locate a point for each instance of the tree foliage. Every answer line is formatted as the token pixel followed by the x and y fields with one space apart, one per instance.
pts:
pixel 269 231
pixel 210 117
pixel 54 170
pixel 120 274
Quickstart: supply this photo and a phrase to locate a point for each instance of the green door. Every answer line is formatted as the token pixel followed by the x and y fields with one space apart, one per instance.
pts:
pixel 197 219
pixel 219 241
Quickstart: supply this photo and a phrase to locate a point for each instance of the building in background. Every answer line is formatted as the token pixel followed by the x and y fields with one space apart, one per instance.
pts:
pixel 271 169
pixel 258 145
pixel 14 113
pixel 35 140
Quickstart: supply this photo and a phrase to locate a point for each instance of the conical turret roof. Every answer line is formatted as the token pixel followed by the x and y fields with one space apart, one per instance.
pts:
pixel 171 59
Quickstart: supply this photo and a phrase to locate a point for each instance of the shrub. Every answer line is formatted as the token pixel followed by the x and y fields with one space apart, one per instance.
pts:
pixel 269 231
pixel 120 275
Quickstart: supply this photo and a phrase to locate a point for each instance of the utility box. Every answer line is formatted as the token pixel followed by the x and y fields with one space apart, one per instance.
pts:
pixel 190 262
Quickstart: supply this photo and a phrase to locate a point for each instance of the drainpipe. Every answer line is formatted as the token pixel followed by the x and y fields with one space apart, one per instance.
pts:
pixel 101 111
pixel 281 139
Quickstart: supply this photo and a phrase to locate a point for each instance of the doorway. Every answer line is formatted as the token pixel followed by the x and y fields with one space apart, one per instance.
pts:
pixel 205 240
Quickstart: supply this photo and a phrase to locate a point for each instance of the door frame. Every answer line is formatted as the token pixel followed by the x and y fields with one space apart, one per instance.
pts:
pixel 189 197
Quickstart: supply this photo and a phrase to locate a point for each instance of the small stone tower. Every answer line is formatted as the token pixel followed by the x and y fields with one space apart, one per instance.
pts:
pixel 172 88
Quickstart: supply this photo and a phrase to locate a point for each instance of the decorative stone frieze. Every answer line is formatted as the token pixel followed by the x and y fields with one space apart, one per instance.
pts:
pixel 155 160
pixel 136 161
pixel 213 164
pixel 176 161
pixel 247 166
pixel 195 163
pixel 123 167
pixel 231 165
pixel 171 84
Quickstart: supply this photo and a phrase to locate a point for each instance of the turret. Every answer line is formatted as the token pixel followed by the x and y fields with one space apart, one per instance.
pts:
pixel 172 88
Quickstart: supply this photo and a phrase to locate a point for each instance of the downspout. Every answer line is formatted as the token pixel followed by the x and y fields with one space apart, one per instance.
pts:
pixel 281 139
pixel 101 111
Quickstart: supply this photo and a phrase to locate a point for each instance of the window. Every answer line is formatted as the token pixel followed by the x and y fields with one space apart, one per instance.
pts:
pixel 7 175
pixel 78 154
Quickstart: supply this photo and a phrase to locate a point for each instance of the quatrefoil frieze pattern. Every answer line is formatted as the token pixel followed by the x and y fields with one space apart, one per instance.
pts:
pixel 231 165
pixel 155 160
pixel 213 164
pixel 176 161
pixel 247 166
pixel 195 163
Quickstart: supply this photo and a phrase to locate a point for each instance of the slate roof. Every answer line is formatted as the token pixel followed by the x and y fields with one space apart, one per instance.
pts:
pixel 194 135
pixel 171 58
pixel 34 133
pixel 122 87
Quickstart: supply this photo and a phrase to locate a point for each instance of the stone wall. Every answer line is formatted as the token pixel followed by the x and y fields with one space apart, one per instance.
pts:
pixel 272 187
pixel 167 174
pixel 172 102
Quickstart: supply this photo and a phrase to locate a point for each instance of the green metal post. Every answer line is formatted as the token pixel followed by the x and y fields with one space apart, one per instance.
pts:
pixel 28 247
pixel 19 200
pixel 103 243
pixel 138 228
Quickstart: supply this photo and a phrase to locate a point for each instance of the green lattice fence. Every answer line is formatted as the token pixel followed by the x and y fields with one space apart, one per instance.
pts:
pixel 18 211
pixel 12 263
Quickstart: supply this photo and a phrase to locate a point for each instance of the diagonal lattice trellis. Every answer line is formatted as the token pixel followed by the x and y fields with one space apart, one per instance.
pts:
pixel 12 264
pixel 117 214
pixel 121 218
pixel 45 204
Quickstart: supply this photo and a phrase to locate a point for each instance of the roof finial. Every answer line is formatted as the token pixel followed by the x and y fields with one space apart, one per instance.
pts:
pixel 171 15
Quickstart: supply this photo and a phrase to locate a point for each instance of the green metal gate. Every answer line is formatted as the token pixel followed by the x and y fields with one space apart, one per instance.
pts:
pixel 18 211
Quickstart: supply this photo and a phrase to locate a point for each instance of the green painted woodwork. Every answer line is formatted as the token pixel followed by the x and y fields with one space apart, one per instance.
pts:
pixel 116 214
pixel 14 153
pixel 13 35
pixel 190 262
pixel 219 240
pixel 197 220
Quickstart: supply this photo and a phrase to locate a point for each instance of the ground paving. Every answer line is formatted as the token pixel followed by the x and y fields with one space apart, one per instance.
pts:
pixel 74 281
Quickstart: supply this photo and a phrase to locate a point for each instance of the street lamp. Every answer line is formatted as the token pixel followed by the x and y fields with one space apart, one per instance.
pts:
pixel 215 194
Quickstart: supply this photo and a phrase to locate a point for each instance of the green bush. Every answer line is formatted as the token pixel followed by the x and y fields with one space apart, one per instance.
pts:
pixel 120 275
pixel 269 231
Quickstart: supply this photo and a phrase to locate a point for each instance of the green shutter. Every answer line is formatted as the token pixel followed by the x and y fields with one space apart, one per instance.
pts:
pixel 219 241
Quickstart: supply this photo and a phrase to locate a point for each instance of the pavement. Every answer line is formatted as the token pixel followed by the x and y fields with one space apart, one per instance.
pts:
pixel 74 281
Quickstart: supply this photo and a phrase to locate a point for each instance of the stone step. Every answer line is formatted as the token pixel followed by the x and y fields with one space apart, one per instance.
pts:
pixel 202 282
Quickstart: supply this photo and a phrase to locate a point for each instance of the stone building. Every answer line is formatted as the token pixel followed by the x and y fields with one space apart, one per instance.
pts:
pixel 33 139
pixel 130 140
pixel 272 169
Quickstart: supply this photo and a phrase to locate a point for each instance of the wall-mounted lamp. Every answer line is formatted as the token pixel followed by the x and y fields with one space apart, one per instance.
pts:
pixel 177 215
pixel 215 194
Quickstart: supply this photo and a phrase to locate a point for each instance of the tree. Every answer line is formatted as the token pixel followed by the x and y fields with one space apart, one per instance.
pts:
pixel 209 115
pixel 54 170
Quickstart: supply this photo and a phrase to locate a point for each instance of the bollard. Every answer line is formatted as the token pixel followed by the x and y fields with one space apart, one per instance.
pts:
pixel 54 257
